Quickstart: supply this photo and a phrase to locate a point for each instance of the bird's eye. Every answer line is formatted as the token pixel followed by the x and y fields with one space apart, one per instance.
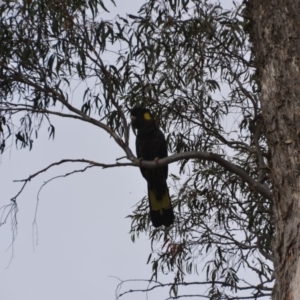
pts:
pixel 147 116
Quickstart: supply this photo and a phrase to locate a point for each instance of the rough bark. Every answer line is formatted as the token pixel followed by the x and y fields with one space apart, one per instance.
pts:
pixel 275 36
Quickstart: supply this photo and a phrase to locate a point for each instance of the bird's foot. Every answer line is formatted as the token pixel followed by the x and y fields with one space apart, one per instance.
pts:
pixel 140 160
pixel 156 160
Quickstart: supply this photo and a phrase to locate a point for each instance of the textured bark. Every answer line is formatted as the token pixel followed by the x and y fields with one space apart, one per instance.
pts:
pixel 275 35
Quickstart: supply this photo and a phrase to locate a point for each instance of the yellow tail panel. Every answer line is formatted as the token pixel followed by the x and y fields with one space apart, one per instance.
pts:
pixel 161 211
pixel 159 205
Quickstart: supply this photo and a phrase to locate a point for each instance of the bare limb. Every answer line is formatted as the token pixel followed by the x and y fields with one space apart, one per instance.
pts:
pixel 256 186
pixel 161 285
pixel 231 298
pixel 92 163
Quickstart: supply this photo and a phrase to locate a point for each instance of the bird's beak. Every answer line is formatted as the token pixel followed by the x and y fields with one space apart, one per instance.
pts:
pixel 133 118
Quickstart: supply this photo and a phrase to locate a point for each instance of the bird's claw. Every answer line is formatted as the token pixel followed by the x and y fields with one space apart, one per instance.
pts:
pixel 140 160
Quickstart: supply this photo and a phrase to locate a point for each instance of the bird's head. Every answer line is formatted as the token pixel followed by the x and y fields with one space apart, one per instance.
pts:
pixel 141 118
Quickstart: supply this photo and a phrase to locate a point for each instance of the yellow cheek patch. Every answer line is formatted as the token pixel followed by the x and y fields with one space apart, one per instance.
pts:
pixel 147 116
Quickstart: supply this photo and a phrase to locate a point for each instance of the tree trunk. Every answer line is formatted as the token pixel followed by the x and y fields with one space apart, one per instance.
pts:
pixel 275 36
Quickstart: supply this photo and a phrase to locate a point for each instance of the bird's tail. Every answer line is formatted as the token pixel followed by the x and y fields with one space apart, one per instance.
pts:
pixel 161 210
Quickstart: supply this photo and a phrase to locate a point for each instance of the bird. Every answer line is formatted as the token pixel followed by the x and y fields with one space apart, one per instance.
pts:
pixel 151 145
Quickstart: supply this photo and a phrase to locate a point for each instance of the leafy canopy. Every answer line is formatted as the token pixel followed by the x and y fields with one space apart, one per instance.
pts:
pixel 190 63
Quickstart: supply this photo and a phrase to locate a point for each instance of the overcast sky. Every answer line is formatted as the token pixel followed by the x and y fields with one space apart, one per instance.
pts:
pixel 83 240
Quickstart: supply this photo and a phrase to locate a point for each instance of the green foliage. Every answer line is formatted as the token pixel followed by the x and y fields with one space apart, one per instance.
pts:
pixel 187 54
pixel 190 62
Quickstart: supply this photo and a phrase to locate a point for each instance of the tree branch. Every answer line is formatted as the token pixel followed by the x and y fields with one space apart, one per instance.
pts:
pixel 135 162
pixel 57 93
pixel 225 298
pixel 254 185
pixel 161 285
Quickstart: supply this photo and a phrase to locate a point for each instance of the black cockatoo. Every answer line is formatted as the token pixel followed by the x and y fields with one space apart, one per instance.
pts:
pixel 151 145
